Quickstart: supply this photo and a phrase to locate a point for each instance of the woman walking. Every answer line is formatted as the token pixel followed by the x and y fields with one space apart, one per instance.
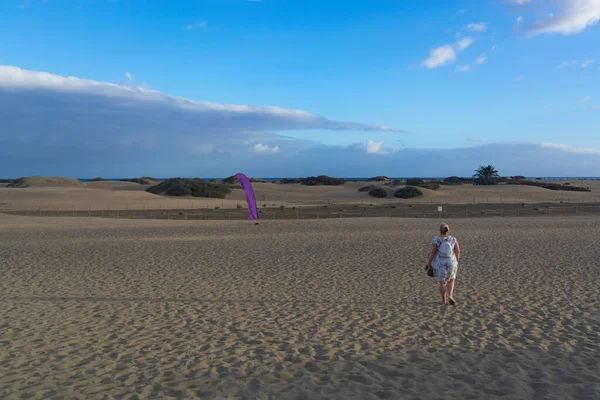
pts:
pixel 444 258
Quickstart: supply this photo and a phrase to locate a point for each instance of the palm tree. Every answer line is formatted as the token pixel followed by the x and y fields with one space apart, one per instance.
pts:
pixel 485 175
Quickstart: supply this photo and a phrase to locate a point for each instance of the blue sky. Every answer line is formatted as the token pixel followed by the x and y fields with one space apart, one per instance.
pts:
pixel 444 74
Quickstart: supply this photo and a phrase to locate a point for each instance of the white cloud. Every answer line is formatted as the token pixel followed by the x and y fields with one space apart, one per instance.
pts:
pixel 576 63
pixel 439 57
pixel 518 2
pixel 477 27
pixel 520 78
pixel 374 147
pixel 443 55
pixel 464 43
pixel 570 149
pixel 519 20
pixel 263 148
pixel 219 115
pixel 196 25
pixel 464 68
pixel 587 63
pixel 595 107
pixel 480 140
pixel 575 17
pixel 586 99
pixel 484 56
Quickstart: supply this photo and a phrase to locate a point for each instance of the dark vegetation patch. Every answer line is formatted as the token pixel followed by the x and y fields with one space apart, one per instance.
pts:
pixel 366 188
pixel 194 187
pixel 378 192
pixel 378 179
pixel 144 180
pixel 315 180
pixel 408 192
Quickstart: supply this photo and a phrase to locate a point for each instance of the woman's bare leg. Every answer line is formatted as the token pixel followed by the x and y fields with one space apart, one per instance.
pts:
pixel 451 289
pixel 443 291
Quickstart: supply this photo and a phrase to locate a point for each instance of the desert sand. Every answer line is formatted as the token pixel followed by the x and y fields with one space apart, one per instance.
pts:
pixel 105 308
pixel 132 196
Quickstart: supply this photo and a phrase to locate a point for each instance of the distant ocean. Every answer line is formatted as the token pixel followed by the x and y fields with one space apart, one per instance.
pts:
pixel 554 178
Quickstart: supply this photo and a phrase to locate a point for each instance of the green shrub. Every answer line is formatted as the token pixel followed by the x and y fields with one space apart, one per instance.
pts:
pixel 378 192
pixel 415 182
pixel 194 187
pixel 431 185
pixel 98 180
pixel 395 182
pixel 378 179
pixel 366 188
pixel 408 192
pixel 453 180
pixel 286 181
pixel 315 180
pixel 555 186
pixel 141 181
pixel 232 180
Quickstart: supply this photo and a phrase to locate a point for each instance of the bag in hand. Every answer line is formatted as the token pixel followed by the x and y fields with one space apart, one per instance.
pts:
pixel 429 270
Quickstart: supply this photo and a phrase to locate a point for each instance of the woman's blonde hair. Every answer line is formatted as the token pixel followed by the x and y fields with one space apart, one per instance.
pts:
pixel 444 228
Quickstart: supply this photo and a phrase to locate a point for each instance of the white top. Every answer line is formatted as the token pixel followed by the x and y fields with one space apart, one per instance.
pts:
pixel 451 239
pixel 438 240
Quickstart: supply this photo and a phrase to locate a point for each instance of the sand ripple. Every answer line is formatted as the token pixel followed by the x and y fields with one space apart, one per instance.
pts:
pixel 296 309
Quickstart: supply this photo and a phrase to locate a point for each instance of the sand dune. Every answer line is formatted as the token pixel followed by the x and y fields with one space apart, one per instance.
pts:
pixel 98 308
pixel 132 196
pixel 45 181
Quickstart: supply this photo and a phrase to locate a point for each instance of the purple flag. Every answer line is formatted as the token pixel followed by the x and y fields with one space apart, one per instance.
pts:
pixel 250 199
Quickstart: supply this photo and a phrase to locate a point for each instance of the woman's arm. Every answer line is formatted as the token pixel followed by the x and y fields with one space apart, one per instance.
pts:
pixel 433 253
pixel 457 251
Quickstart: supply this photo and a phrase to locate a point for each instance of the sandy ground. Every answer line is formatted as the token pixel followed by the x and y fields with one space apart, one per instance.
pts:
pixel 132 196
pixel 96 308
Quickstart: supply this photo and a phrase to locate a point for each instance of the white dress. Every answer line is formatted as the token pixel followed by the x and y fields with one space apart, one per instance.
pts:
pixel 445 268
